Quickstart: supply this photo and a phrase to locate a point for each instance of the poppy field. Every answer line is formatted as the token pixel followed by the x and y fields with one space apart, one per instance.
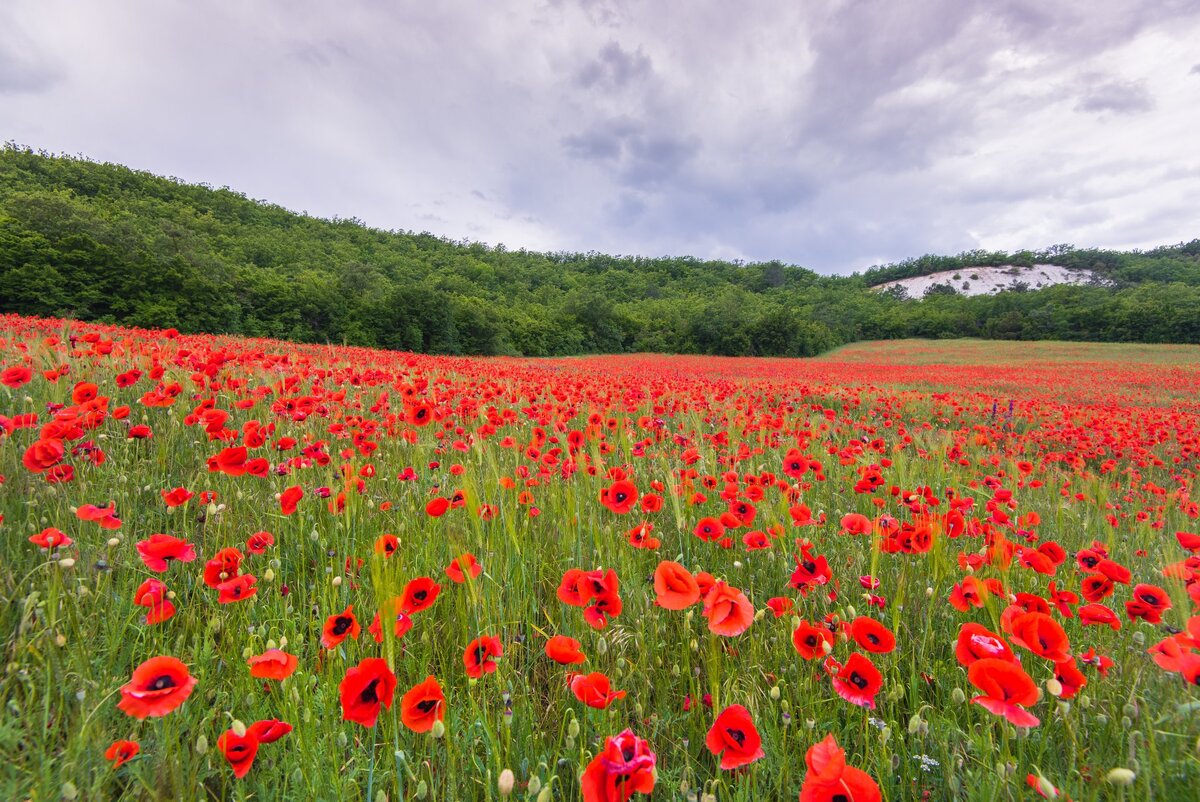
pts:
pixel 248 569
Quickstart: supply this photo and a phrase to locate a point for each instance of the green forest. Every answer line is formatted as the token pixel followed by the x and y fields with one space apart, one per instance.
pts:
pixel 103 242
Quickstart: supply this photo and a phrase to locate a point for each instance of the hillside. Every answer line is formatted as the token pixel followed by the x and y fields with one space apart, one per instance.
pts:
pixel 107 243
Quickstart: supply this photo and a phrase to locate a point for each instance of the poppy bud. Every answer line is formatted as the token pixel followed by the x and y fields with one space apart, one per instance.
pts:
pixel 1120 777
pixel 1126 722
pixel 1085 701
pixel 239 729
pixel 957 696
pixel 69 791
pixel 1139 638
pixel 422 789
pixel 573 729
pixel 337 581
pixel 914 724
pixel 885 735
pixel 505 783
pixel 1054 687
pixel 1130 710
pixel 201 744
pixel 438 730
pixel 1046 788
pixel 775 692
pixel 342 740
pixel 113 542
pixel 535 784
pixel 69 562
pixel 381 796
pixel 268 575
pixel 601 646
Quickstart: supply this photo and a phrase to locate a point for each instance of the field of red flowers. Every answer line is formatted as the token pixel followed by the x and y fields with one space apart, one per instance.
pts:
pixel 248 569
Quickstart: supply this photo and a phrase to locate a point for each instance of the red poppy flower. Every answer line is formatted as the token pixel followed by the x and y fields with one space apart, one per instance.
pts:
pixel 674 586
pixel 177 497
pixel 564 650
pixel 1098 615
pixel 289 499
pixel 1114 571
pixel 620 497
pixel 624 767
pixel 259 542
pixel 1042 635
pixel 269 730
pixel 50 538
pixel 106 517
pixel 339 627
pixel 387 544
pixel 872 636
pixel 1070 678
pixel 423 705
pixel 728 611
pixel 43 454
pixel 419 594
pixel 1149 602
pixel 16 376
pixel 977 642
pixel 858 681
pixel 734 738
pixel 239 750
pixel 810 641
pixel 709 529
pixel 223 566
pixel 1096 587
pixel 967 594
pixel 481 654
pixel 272 664
pixel 1007 689
pixel 364 688
pixel 639 537
pixel 780 606
pixel 158 686
pixel 594 690
pixel 856 524
pixel 462 567
pixel 237 589
pixel 152 594
pixel 158 550
pixel 829 779
pixel 121 752
pixel 810 571
pixel 437 507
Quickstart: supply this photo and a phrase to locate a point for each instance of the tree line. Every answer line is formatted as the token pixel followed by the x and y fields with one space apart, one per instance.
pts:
pixel 106 243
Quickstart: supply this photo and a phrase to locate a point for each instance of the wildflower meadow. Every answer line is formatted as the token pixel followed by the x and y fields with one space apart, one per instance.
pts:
pixel 250 569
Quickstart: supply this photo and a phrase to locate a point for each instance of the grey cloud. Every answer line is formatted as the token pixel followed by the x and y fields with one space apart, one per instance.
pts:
pixel 1121 97
pixel 320 54
pixel 1195 70
pixel 613 68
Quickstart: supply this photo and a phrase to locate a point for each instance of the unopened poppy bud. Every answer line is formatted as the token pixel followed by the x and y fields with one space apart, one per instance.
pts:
pixel 381 796
pixel 1046 788
pixel 201 744
pixel 439 729
pixel 68 562
pixel 1101 719
pixel 113 542
pixel 422 789
pixel 1130 710
pixel 535 784
pixel 337 581
pixel 957 696
pixel 775 692
pixel 929 592
pixel 810 723
pixel 283 642
pixel 914 724
pixel 601 646
pixel 1054 687
pixel 505 782
pixel 1139 638
pixel 1085 701
pixel 60 639
pixel 246 653
pixel 546 795
pixel 826 646
pixel 573 728
pixel 694 645
pixel 1126 722
pixel 1120 777
pixel 342 740
pixel 268 575
pixel 239 729
pixel 69 791
pixel 675 670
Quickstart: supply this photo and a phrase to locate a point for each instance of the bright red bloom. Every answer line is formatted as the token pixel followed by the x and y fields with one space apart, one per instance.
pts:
pixel 872 636
pixel 564 651
pixel 50 538
pixel 269 730
pixel 419 594
pixel 858 681
pixel 1149 602
pixel 223 566
pixel 829 779
pixel 620 497
pixel 259 542
pixel 386 544
pixel 780 605
pixel 734 738
pixel 339 627
pixel 1098 615
pixel 423 705
pixel 674 586
pixel 121 752
pixel 1007 690
pixel 272 664
pixel 594 690
pixel 43 454
pixel 106 517
pixel 290 498
pixel 158 686
pixel 728 611
pixel 239 750
pixel 158 550
pixel 480 656
pixel 177 497
pixel 462 567
pixel 364 689
pixel 624 767
pixel 152 594
pixel 811 641
pixel 437 507
pixel 1042 635
pixel 237 589
pixel 977 642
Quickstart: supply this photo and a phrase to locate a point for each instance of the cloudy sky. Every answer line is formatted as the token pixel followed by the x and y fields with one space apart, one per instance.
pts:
pixel 829 133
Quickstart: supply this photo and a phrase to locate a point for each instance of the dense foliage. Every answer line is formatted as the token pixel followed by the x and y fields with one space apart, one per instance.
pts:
pixel 103 242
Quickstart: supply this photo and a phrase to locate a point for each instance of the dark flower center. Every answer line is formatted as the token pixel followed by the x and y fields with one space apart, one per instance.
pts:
pixel 858 681
pixel 341 625
pixel 368 695
pixel 162 683
pixel 737 735
pixel 427 705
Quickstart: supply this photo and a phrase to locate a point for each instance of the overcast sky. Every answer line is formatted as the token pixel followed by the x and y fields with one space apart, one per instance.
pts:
pixel 826 133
